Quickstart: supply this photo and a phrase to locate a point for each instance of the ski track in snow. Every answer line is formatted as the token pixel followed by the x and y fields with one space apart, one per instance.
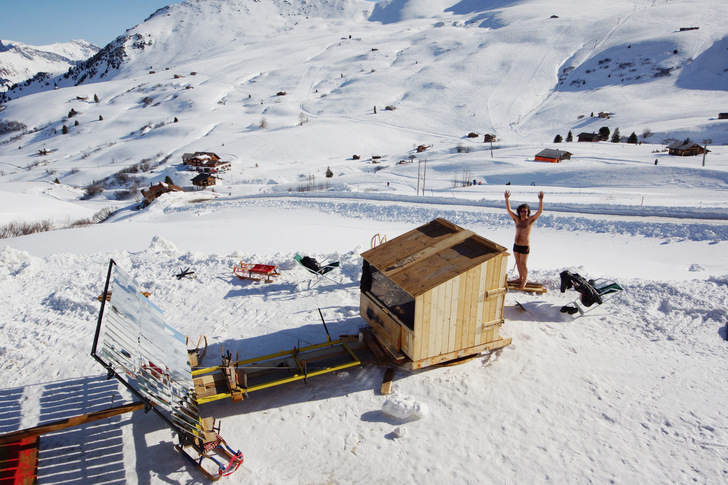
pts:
pixel 421 211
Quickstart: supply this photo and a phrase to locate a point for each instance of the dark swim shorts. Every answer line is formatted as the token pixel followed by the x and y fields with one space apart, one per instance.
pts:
pixel 521 249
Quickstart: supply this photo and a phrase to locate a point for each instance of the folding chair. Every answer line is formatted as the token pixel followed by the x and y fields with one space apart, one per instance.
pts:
pixel 321 271
pixel 592 293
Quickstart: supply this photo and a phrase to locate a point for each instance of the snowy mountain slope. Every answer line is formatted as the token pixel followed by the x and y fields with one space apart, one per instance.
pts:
pixel 19 62
pixel 296 85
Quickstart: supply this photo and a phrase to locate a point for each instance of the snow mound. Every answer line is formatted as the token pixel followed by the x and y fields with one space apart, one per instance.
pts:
pixel 14 261
pixel 402 408
pixel 161 245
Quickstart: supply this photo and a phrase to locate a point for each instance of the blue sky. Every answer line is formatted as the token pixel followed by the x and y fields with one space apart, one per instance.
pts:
pixel 42 22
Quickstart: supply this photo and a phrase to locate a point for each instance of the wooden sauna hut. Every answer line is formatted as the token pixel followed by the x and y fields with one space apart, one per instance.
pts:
pixel 435 294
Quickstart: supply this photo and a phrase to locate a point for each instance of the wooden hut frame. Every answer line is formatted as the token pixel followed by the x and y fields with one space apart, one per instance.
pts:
pixel 435 294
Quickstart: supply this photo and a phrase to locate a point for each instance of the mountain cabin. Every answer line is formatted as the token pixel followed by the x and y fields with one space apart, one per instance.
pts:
pixel 686 149
pixel 589 137
pixel 551 155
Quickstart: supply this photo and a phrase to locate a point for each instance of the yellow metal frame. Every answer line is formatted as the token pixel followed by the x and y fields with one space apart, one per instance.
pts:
pixel 294 353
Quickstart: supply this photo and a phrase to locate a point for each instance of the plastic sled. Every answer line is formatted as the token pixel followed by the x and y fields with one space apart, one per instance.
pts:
pixel 320 271
pixel 592 293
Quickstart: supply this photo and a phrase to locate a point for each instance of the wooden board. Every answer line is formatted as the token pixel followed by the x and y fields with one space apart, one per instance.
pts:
pixel 387 382
pixel 530 287
pixel 70 422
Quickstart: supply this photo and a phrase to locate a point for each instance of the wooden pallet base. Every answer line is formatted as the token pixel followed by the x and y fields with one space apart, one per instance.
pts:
pixel 530 287
pixel 461 354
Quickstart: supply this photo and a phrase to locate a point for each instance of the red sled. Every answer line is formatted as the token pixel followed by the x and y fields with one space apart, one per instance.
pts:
pixel 256 272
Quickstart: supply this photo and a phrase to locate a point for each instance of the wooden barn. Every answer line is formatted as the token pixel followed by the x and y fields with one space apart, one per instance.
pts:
pixel 435 294
pixel 589 137
pixel 551 155
pixel 686 148
pixel 204 180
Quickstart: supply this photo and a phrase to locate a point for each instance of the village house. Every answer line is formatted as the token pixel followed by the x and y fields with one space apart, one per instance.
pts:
pixel 589 137
pixel 686 148
pixel 488 137
pixel 154 191
pixel 551 155
pixel 205 162
pixel 204 180
pixel 199 158
pixel 723 116
pixel 214 166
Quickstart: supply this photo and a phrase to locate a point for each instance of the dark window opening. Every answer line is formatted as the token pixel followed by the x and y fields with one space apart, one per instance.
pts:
pixel 396 300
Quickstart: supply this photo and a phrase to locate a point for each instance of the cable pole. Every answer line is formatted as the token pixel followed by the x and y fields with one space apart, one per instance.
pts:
pixel 705 149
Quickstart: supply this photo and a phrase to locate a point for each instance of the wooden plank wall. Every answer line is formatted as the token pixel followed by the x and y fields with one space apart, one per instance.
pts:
pixel 452 316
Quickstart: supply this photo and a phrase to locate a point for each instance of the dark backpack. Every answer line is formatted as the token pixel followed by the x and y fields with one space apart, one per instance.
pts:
pixel 310 263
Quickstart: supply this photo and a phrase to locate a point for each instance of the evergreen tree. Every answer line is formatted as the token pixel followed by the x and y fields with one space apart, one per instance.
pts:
pixel 96 99
pixel 632 138
pixel 175 119
pixel 329 173
pixel 168 180
pixel 101 118
pixel 64 130
pixel 615 136
pixel 604 133
pixel 76 123
pixel 569 137
pixel 558 139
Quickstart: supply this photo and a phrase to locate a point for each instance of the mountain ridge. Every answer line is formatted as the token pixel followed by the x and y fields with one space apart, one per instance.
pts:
pixel 20 62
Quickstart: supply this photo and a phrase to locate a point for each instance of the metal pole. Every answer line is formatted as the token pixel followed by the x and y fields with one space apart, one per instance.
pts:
pixel 705 149
pixel 424 177
pixel 328 335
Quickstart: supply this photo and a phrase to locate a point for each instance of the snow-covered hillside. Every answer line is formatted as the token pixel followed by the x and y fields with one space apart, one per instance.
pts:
pixel 20 62
pixel 287 92
pixel 523 70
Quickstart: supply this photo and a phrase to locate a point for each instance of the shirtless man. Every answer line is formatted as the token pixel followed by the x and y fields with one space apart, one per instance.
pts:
pixel 524 222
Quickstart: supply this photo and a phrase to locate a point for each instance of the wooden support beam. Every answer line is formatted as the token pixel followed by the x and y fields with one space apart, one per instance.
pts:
pixel 70 422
